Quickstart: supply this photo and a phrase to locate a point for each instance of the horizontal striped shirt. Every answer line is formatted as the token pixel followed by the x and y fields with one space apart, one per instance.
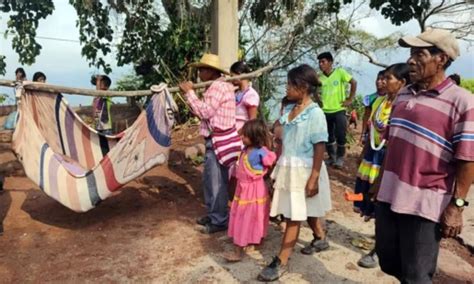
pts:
pixel 429 130
pixel 217 109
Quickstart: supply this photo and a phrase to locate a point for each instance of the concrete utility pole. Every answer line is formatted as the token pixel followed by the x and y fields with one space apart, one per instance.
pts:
pixel 225 31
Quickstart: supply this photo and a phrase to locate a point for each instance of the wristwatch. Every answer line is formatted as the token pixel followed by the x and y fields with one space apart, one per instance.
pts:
pixel 459 202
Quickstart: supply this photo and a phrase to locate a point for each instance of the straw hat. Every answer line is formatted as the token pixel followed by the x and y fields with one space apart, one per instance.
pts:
pixel 211 61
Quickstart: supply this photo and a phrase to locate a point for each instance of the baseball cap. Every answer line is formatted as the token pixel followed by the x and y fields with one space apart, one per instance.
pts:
pixel 442 39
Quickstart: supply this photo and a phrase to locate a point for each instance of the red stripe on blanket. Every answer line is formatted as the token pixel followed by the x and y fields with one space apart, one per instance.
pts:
pixel 107 167
pixel 86 144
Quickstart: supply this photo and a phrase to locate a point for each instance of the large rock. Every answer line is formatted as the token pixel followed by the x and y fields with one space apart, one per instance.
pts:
pixel 467 235
pixel 194 151
pixel 455 267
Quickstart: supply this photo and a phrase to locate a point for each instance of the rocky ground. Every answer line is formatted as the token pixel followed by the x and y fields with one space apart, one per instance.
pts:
pixel 146 233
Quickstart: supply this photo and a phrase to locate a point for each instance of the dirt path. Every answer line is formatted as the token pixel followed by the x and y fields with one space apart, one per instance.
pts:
pixel 146 233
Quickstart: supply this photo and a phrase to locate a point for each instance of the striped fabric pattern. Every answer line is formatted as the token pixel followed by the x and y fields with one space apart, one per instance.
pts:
pixel 429 131
pixel 227 146
pixel 76 165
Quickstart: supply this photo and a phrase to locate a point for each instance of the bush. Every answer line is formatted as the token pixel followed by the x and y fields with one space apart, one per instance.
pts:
pixel 468 84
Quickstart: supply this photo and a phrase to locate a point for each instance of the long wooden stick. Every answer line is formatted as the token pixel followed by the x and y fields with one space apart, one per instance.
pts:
pixel 96 93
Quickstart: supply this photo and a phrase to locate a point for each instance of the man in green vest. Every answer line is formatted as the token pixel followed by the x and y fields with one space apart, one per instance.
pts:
pixel 335 100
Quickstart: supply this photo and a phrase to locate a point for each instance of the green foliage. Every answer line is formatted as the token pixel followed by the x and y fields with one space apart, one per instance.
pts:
pixel 468 84
pixel 400 12
pixel 358 105
pixel 24 20
pixel 95 32
pixel 3 98
pixel 3 65
pixel 130 83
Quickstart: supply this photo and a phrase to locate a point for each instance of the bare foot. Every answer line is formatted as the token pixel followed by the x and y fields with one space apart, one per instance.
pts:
pixel 232 256
pixel 250 248
pixel 283 226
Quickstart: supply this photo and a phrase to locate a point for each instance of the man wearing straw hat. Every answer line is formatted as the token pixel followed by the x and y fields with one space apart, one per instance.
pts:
pixel 217 112
pixel 429 164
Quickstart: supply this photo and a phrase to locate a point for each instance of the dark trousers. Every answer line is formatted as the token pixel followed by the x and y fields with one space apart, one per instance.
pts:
pixel 337 127
pixel 407 245
pixel 215 184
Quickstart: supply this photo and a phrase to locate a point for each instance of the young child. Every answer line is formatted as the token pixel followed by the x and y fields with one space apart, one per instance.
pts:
pixel 301 180
pixel 249 212
pixel 102 105
pixel 353 119
pixel 396 77
pixel 367 101
pixel 246 108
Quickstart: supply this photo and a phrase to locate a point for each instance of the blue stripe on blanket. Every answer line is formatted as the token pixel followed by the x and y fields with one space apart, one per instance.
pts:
pixel 57 108
pixel 92 187
pixel 159 137
pixel 41 169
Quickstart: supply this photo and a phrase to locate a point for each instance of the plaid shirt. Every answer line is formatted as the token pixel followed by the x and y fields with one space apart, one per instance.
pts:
pixel 217 108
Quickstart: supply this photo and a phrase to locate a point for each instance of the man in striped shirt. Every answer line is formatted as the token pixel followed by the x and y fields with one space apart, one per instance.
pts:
pixel 429 165
pixel 217 112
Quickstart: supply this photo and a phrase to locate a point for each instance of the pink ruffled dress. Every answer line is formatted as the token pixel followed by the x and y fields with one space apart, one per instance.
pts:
pixel 249 213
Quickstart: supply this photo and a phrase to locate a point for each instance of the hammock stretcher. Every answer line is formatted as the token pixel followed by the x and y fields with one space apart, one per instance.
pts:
pixel 76 165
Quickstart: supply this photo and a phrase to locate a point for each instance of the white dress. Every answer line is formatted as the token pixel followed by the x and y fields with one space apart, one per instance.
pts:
pixel 295 164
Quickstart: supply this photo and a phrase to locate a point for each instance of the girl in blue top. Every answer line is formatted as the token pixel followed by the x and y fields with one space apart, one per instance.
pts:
pixel 301 180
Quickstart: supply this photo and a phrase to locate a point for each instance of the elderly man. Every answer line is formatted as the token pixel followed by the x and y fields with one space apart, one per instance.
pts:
pixel 217 113
pixel 429 165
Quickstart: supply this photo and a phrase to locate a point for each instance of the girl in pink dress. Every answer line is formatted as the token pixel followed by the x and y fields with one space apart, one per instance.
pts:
pixel 249 213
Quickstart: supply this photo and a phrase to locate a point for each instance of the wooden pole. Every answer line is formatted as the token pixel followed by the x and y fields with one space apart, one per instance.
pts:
pixel 27 85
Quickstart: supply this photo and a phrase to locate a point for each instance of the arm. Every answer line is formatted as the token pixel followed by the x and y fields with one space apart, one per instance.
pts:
pixel 352 93
pixel 451 220
pixel 374 189
pixel 269 158
pixel 464 178
pixel 252 112
pixel 365 120
pixel 251 101
pixel 207 108
pixel 353 89
pixel 362 154
pixel 312 184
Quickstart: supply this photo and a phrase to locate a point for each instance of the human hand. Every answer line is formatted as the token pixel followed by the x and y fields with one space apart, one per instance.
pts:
pixel 312 186
pixel 186 86
pixel 347 102
pixel 451 221
pixel 374 191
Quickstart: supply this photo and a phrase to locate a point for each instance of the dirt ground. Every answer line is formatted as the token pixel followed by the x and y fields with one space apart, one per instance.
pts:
pixel 147 233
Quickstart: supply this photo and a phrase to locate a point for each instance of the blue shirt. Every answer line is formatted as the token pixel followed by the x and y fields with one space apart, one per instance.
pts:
pixel 306 129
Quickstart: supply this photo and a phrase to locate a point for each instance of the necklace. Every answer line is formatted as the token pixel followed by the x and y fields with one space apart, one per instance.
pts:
pixel 379 122
pixel 297 109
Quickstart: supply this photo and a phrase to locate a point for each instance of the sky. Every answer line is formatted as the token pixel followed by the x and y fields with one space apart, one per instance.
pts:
pixel 63 64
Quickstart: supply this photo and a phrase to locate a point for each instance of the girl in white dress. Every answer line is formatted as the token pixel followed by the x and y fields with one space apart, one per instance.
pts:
pixel 301 180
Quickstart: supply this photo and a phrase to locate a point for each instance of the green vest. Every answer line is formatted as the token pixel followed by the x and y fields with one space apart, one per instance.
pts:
pixel 334 90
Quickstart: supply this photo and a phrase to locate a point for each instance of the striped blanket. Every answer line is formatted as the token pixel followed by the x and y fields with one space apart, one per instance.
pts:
pixel 78 166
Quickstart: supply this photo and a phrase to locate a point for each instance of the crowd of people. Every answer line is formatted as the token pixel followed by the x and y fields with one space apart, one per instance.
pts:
pixel 415 170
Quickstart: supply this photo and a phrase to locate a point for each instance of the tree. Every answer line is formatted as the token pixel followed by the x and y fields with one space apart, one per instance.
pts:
pixel 455 16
